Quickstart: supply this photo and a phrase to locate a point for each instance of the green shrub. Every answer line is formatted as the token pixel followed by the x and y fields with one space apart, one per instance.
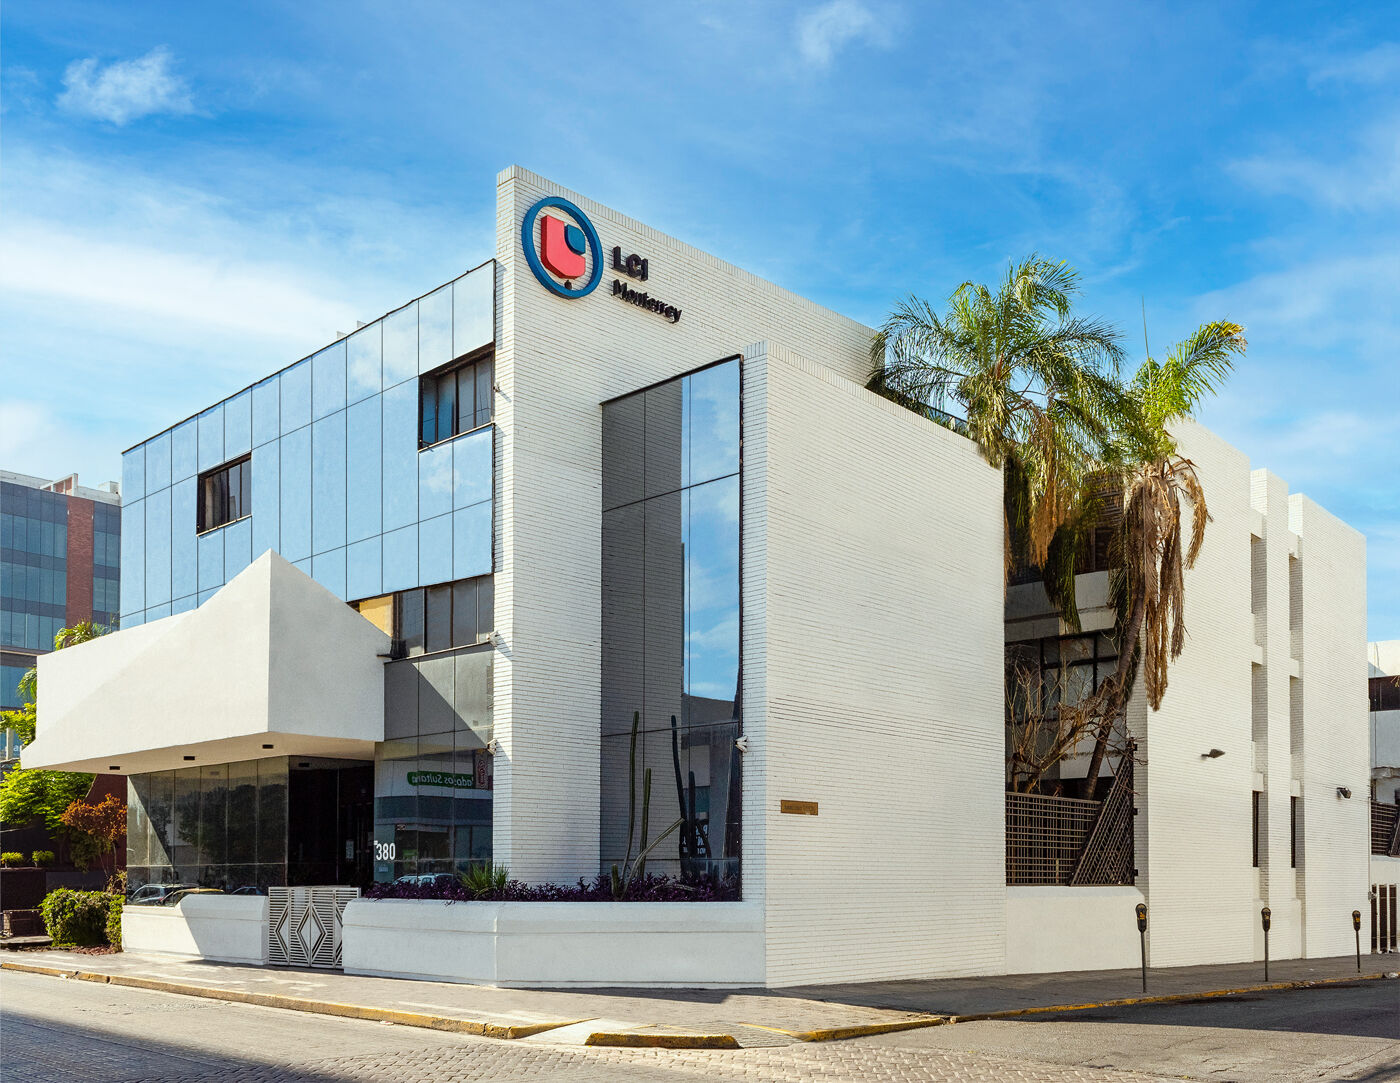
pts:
pixel 76 919
pixel 42 858
pixel 482 881
pixel 114 920
pixel 11 859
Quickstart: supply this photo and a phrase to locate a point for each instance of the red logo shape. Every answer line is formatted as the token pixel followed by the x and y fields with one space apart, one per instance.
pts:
pixel 562 247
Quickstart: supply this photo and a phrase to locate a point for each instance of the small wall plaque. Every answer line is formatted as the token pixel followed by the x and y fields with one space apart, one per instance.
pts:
pixel 798 808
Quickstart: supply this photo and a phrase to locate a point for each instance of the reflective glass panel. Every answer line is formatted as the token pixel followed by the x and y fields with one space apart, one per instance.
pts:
pixel 211 437
pixel 711 423
pixel 471 468
pixel 401 345
pixel 272 811
pixel 435 329
pixel 364 362
pixel 471 541
pixel 328 484
pixel 184 559
pixel 134 473
pixel 211 560
pixel 712 590
pixel 435 556
pixel 662 438
pixel 267 410
pixel 624 435
pixel 243 812
pixel 267 498
pixel 296 396
pixel 435 481
pixel 158 548
pixel 364 574
pixel 400 455
pixel 296 495
pixel 401 558
pixel 238 425
pixel 158 462
pixel 238 547
pixel 363 465
pixel 328 569
pixel 328 380
pixel 474 310
pixel 133 545
pixel 184 450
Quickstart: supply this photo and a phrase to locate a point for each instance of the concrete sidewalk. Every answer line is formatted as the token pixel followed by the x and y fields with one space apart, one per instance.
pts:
pixel 690 1018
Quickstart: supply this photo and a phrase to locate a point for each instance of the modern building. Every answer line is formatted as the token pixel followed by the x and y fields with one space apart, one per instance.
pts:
pixel 624 537
pixel 59 559
pixel 1384 690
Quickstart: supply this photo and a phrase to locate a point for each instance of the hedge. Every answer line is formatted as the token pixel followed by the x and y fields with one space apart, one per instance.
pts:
pixel 82 919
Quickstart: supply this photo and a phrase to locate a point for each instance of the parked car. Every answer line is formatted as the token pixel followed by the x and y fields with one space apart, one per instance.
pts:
pixel 428 879
pixel 188 889
pixel 154 894
pixel 249 889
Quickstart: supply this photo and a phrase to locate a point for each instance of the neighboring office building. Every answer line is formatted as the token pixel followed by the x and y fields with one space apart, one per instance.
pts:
pixel 60 548
pixel 564 505
pixel 1384 689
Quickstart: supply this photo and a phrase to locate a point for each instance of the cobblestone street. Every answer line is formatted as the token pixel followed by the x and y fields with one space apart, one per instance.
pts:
pixel 54 1030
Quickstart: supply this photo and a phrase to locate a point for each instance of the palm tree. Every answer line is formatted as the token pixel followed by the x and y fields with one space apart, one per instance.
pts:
pixel 1036 383
pixel 22 721
pixel 1160 490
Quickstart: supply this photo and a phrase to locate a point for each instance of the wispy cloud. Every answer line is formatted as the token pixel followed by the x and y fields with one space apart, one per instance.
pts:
pixel 825 31
pixel 1379 64
pixel 125 90
pixel 1368 179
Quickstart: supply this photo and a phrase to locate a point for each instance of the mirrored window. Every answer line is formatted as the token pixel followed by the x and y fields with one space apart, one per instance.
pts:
pixel 158 548
pixel 363 467
pixel 238 425
pixel 295 525
pixel 400 456
pixel 474 310
pixel 184 568
pixel 267 410
pixel 328 467
pixel 158 462
pixel 401 345
pixel 435 329
pixel 296 396
pixel 267 498
pixel 211 437
pixel 184 450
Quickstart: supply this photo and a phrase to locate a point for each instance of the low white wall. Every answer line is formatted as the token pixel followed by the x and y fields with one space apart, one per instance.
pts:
pixel 557 944
pixel 226 928
pixel 1071 928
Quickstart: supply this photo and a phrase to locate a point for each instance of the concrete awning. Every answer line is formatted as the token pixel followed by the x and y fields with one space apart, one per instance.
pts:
pixel 273 659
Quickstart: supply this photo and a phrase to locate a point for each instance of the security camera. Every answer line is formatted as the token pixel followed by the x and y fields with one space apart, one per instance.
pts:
pixel 1343 792
pixel 742 743
pixel 491 746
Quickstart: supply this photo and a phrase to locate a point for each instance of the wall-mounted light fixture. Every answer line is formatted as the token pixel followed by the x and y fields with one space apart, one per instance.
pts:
pixel 492 745
pixel 267 746
pixel 1344 793
pixel 1213 754
pixel 189 757
pixel 742 743
pixel 113 767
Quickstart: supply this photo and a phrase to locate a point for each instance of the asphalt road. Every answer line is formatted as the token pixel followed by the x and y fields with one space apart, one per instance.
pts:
pixel 52 1030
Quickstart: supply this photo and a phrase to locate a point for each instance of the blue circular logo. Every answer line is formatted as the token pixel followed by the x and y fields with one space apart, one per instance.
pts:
pixel 561 254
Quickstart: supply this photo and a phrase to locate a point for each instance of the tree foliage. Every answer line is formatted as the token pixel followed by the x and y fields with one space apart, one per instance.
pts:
pixel 95 831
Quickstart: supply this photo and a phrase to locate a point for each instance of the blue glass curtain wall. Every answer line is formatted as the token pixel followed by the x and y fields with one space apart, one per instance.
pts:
pixel 670 635
pixel 340 487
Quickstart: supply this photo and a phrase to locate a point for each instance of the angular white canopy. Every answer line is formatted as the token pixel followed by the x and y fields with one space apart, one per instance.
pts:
pixel 273 659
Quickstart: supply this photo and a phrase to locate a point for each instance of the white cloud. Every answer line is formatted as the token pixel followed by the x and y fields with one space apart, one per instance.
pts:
pixel 824 31
pixel 125 90
pixel 1368 179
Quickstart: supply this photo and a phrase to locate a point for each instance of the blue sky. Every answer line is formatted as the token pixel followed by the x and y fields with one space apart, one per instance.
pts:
pixel 196 195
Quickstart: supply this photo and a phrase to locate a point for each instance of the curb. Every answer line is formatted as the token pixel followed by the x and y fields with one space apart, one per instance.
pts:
pixel 859 1030
pixel 632 1040
pixel 1165 998
pixel 299 1004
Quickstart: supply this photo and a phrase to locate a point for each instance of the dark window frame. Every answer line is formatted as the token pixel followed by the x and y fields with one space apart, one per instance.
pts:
pixel 223 504
pixel 1292 831
pixel 473 375
pixel 1257 801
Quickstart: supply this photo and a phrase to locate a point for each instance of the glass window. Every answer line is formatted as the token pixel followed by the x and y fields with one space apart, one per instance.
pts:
pixel 400 443
pixel 435 557
pixel 133 569
pixel 471 468
pixel 464 621
pixel 364 575
pixel 267 411
pixel 328 569
pixel 401 558
pixel 471 541
pixel 454 401
pixel 411 620
pixel 225 494
pixel 134 473
pixel 437 621
pixel 158 550
pixel 267 498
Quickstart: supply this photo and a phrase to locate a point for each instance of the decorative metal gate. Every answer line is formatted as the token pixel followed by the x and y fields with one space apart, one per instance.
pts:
pixel 303 926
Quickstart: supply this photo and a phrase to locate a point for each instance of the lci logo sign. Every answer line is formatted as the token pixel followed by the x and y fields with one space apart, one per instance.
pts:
pixel 563 249
pixel 570 251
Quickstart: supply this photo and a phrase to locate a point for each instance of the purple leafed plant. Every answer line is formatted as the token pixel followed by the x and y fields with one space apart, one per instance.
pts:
pixel 645 889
